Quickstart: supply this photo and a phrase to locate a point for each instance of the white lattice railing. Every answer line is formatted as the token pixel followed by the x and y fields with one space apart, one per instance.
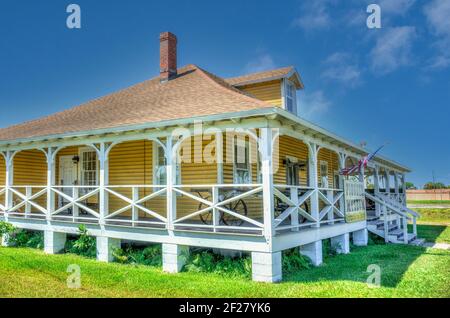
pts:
pixel 219 207
pixel 25 201
pixel 140 214
pixel 76 203
pixel 333 205
pixel 293 207
pixel 2 195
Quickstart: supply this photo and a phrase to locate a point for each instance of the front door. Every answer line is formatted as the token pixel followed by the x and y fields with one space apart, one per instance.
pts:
pixel 67 176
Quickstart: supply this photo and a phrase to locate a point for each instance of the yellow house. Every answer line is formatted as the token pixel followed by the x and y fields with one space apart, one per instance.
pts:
pixel 192 159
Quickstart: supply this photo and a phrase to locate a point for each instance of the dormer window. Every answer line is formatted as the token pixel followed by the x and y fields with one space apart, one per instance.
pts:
pixel 290 100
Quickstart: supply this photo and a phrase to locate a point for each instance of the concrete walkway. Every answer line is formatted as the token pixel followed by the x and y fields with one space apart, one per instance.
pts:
pixel 441 246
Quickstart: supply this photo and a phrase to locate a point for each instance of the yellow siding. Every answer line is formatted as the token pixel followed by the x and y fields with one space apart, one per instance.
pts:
pixel 292 147
pixel 2 172
pixel 30 168
pixel 268 91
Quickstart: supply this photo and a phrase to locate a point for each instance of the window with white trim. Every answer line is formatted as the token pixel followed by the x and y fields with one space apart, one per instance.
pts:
pixel 242 167
pixel 159 164
pixel 324 174
pixel 89 167
pixel 290 97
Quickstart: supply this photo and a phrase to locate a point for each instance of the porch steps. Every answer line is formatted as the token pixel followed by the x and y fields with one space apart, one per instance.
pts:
pixel 395 234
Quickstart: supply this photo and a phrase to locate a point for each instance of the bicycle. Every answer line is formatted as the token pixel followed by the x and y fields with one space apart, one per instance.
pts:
pixel 238 206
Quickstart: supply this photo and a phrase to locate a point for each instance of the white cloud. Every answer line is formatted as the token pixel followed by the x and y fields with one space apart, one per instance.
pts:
pixel 395 7
pixel 263 62
pixel 313 104
pixel 341 67
pixel 313 15
pixel 392 49
pixel 437 13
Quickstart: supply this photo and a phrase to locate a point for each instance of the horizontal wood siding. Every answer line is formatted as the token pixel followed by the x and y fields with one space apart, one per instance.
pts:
pixel 268 91
pixel 292 147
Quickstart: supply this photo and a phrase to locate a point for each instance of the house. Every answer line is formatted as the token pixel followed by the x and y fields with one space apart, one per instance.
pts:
pixel 192 159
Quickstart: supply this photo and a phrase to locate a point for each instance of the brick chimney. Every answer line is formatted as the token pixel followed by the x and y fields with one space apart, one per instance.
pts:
pixel 168 56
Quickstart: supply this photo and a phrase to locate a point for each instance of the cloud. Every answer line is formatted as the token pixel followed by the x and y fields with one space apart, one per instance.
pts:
pixel 313 15
pixel 263 62
pixel 437 14
pixel 392 49
pixel 341 67
pixel 313 104
pixel 395 7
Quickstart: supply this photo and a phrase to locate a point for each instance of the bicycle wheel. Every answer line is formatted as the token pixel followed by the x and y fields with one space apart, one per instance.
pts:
pixel 206 218
pixel 238 207
pixel 301 218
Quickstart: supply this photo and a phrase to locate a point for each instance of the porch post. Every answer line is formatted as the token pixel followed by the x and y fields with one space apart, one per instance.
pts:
pixel 388 185
pixel 313 182
pixel 50 182
pixel 219 157
pixel 170 180
pixel 341 185
pixel 9 179
pixel 396 187
pixel 404 189
pixel 103 181
pixel 376 188
pixel 265 147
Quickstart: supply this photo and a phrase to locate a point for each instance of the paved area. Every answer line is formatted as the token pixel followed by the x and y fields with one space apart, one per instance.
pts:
pixel 441 246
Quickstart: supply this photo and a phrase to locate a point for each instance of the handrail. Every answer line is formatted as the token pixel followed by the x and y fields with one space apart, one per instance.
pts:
pixel 390 206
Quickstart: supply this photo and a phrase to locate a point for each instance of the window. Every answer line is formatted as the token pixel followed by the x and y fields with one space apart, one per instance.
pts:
pixel 324 174
pixel 159 164
pixel 290 97
pixel 89 167
pixel 241 162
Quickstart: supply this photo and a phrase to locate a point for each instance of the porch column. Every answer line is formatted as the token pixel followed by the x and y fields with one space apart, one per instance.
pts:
pixel 396 187
pixel 404 189
pixel 376 188
pixel 174 257
pixel 266 267
pixel 313 182
pixel 105 248
pixel 341 185
pixel 361 237
pixel 265 146
pixel 171 175
pixel 103 181
pixel 9 179
pixel 219 157
pixel 50 182
pixel 341 243
pixel 388 181
pixel 54 242
pixel 313 251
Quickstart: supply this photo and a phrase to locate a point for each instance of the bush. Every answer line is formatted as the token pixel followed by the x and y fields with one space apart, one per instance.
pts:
pixel 22 238
pixel 293 261
pixel 6 228
pixel 84 245
pixel 207 261
pixel 151 255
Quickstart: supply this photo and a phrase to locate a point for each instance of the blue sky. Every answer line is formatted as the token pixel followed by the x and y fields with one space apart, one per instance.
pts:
pixel 379 85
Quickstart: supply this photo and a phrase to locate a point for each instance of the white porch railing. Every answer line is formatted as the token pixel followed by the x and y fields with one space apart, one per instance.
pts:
pixel 220 207
pixel 216 208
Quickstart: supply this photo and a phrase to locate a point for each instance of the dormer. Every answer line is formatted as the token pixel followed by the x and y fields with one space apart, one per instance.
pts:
pixel 277 87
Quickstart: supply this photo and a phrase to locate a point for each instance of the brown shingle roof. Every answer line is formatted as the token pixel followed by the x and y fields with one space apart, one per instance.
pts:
pixel 194 92
pixel 259 76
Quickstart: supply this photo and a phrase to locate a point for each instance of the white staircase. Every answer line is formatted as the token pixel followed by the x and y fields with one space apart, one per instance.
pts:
pixel 390 220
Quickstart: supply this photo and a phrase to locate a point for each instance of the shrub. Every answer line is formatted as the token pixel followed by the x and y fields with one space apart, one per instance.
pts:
pixel 151 255
pixel 84 245
pixel 293 261
pixel 22 238
pixel 207 261
pixel 6 228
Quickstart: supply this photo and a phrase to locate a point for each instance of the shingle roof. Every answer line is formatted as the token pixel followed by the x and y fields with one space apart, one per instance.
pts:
pixel 194 92
pixel 260 76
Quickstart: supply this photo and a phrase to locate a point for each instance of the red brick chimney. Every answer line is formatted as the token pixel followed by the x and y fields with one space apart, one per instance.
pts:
pixel 168 56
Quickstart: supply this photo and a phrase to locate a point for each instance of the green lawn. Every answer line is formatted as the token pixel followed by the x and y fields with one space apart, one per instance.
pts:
pixel 406 271
pixel 434 216
pixel 428 201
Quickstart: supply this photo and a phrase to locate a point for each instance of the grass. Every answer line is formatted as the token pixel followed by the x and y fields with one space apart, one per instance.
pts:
pixel 434 216
pixel 406 271
pixel 428 201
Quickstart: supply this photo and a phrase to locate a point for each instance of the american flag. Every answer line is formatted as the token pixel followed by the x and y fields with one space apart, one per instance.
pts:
pixel 361 163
